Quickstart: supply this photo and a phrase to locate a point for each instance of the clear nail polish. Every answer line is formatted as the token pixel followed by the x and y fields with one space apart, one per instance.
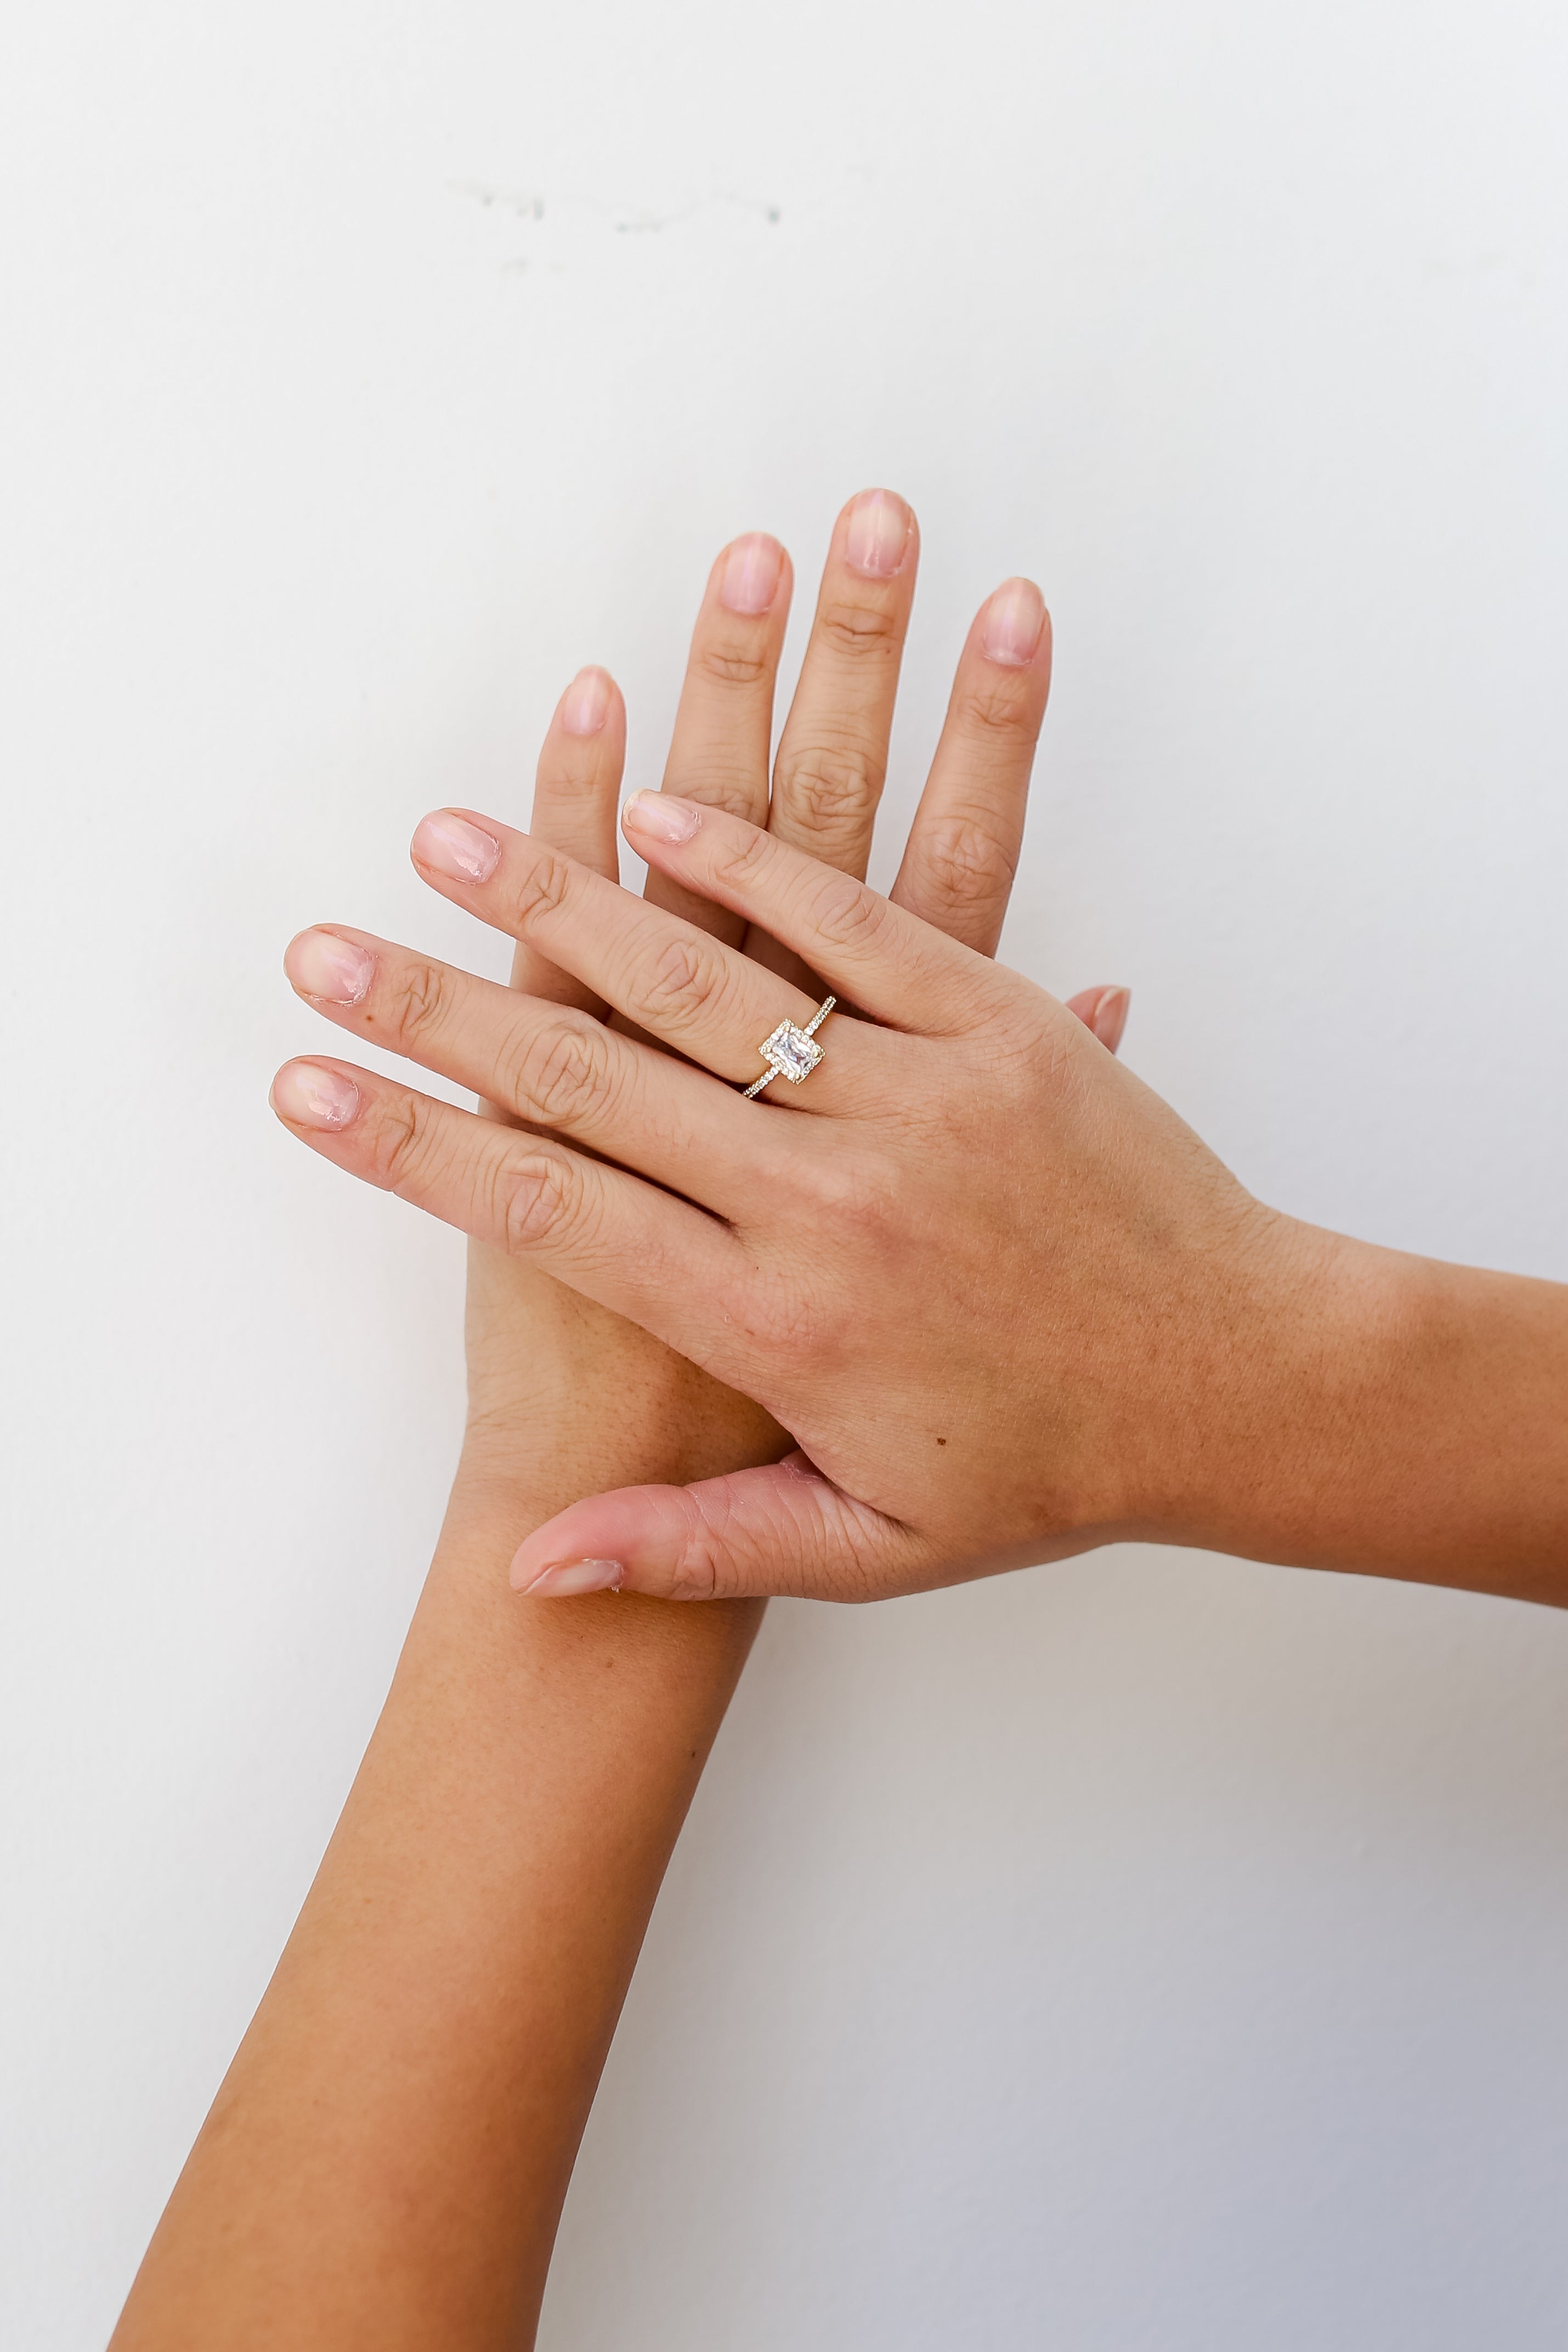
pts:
pixel 749 581
pixel 308 1096
pixel 453 846
pixel 877 539
pixel 661 818
pixel 333 971
pixel 1014 620
pixel 1111 1017
pixel 568 1578
pixel 585 706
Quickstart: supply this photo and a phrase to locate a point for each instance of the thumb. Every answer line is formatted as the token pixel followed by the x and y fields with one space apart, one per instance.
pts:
pixel 780 1528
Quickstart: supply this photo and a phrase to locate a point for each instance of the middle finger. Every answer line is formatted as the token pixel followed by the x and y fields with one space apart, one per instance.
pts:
pixel 724 724
pixel 833 755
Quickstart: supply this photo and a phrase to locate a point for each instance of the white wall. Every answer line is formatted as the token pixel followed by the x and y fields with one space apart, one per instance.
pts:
pixel 1156 1952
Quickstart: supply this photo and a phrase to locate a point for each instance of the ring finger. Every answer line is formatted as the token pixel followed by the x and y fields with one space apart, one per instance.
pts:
pixel 671 980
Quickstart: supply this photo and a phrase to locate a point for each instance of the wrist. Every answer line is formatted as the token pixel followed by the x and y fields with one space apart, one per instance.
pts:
pixel 1272 1444
pixel 1386 1414
pixel 566 1399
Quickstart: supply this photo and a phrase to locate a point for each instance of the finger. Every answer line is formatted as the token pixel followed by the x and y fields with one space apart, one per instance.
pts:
pixel 674 981
pixel 549 1065
pixel 779 1528
pixel 868 951
pixel 724 724
pixel 1103 1010
pixel 577 789
pixel 831 761
pixel 963 849
pixel 667 1266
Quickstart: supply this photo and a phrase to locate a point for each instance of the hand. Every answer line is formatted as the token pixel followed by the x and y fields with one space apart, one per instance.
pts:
pixel 978 1271
pixel 535 1350
pixel 1009 1305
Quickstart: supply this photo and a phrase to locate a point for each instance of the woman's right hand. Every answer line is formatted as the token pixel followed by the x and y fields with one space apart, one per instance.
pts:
pixel 1007 1303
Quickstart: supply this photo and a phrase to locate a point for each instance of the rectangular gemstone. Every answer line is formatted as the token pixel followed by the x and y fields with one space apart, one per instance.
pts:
pixel 792 1052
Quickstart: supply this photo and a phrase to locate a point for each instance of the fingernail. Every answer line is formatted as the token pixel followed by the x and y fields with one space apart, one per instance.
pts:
pixel 452 845
pixel 749 581
pixel 586 706
pixel 878 536
pixel 661 817
pixel 334 970
pixel 570 1577
pixel 1014 619
pixel 312 1097
pixel 1111 1017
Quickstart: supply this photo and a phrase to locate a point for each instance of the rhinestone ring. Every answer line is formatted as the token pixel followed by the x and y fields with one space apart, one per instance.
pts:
pixel 792 1053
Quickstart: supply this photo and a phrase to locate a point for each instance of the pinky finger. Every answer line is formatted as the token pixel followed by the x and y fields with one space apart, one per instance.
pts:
pixel 635 1249
pixel 962 850
pixel 1103 1010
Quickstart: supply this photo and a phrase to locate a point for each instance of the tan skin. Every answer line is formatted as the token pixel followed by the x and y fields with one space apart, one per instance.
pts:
pixel 1008 1305
pixel 385 2162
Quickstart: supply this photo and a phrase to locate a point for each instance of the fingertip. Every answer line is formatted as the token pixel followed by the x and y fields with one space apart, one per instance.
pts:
pixel 586 704
pixel 1103 1013
pixel 313 1096
pixel 566 1579
pixel 1015 626
pixel 880 533
pixel 750 572
pixel 1111 1019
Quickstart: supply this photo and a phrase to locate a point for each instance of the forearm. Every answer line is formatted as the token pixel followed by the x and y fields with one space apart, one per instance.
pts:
pixel 1401 1417
pixel 385 2162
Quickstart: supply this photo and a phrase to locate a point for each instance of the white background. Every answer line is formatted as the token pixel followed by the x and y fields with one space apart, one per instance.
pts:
pixel 1153 1952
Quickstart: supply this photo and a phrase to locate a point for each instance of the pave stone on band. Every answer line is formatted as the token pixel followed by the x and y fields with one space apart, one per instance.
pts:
pixel 792 1053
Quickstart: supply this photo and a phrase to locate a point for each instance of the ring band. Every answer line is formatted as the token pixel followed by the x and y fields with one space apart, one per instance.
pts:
pixel 792 1053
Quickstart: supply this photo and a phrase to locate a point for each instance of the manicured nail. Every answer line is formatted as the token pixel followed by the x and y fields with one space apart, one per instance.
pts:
pixel 1014 619
pixel 749 581
pixel 660 816
pixel 454 846
pixel 312 1097
pixel 586 706
pixel 1111 1017
pixel 334 970
pixel 878 536
pixel 570 1577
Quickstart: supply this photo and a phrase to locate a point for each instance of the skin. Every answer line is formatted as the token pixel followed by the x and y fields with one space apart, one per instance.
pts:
pixel 385 2161
pixel 1007 1303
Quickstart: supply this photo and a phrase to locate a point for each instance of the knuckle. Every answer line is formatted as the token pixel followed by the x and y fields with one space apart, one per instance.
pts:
pixel 848 915
pixel 1001 712
pixel 744 866
pixel 859 632
pixel 693 1576
pixel 689 982
pixel 418 1004
pixel 720 787
pixel 730 665
pixel 787 1321
pixel 401 1151
pixel 563 1072
pixel 538 1199
pixel 541 891
pixel 831 788
pixel 966 866
pixel 852 1194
